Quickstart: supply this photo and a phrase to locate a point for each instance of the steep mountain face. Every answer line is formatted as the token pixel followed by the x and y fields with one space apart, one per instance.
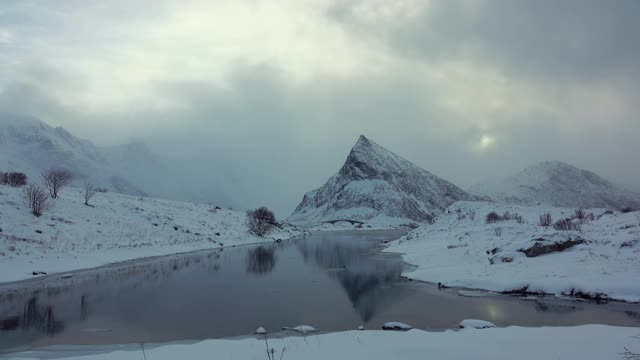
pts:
pixel 559 184
pixel 376 183
pixel 31 146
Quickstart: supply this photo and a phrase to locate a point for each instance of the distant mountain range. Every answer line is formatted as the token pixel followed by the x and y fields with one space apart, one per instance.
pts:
pixel 29 145
pixel 375 183
pixel 559 184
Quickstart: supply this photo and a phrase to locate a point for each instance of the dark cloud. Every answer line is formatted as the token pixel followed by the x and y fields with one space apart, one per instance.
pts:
pixel 581 39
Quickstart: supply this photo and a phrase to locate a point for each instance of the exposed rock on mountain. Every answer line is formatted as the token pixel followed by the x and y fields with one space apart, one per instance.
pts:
pixel 375 183
pixel 559 184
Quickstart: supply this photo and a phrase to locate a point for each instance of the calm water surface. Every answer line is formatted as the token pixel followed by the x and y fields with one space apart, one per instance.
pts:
pixel 333 281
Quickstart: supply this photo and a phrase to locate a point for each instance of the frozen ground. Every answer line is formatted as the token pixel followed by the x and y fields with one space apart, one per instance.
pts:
pixel 595 342
pixel 461 249
pixel 115 228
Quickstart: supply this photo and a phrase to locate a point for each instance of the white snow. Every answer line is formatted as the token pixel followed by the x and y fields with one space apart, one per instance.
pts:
pixel 394 325
pixel 473 293
pixel 117 227
pixel 302 329
pixel 379 187
pixel 589 342
pixel 454 249
pixel 476 324
pixel 559 184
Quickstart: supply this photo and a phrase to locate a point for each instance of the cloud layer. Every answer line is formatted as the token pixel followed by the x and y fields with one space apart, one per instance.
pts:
pixel 265 98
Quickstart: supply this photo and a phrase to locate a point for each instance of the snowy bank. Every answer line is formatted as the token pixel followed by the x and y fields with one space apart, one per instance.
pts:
pixel 461 249
pixel 115 228
pixel 583 342
pixel 376 223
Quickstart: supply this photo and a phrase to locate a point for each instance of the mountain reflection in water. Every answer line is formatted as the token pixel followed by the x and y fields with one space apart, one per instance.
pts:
pixel 333 281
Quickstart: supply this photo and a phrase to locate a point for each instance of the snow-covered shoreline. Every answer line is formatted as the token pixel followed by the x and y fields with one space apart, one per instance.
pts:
pixel 117 228
pixel 581 342
pixel 461 250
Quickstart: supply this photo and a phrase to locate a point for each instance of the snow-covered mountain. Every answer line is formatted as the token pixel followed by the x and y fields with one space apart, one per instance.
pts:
pixel 376 184
pixel 559 184
pixel 29 145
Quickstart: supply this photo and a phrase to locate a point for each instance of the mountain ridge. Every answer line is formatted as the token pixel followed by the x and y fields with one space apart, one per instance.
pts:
pixel 377 183
pixel 561 184
pixel 31 146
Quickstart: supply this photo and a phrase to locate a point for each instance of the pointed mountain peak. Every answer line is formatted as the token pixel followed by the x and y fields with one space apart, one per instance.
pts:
pixel 375 182
pixel 362 141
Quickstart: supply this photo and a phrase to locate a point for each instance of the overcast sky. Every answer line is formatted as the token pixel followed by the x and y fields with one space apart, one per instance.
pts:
pixel 265 98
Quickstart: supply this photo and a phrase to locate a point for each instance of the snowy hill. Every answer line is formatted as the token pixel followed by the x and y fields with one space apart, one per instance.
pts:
pixel 116 228
pixel 28 145
pixel 597 258
pixel 560 184
pixel 376 185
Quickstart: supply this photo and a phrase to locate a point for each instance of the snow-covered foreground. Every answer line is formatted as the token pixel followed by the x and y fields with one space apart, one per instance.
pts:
pixel 583 342
pixel 115 228
pixel 461 249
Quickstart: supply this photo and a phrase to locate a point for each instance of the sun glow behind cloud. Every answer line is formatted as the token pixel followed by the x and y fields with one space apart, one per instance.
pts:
pixel 311 75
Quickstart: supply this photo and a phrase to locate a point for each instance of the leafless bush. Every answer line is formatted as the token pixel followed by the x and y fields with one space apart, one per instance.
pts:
pixel 518 218
pixel 15 179
pixel 37 199
pixel 89 191
pixel 506 216
pixel 589 217
pixel 566 224
pixel 55 180
pixel 546 220
pixel 456 246
pixel 493 217
pixel 627 209
pixel 579 215
pixel 260 221
pixel 472 214
pixel 630 355
pixel 498 232
pixel 629 243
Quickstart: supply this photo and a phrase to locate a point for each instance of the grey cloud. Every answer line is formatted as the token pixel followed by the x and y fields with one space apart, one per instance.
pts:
pixel 582 39
pixel 264 139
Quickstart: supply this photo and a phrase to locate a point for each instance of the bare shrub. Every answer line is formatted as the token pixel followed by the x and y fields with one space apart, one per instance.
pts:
pixel 457 246
pixel 260 220
pixel 566 225
pixel 546 220
pixel 626 210
pixel 579 215
pixel 506 216
pixel 37 199
pixel 518 218
pixel 55 180
pixel 89 191
pixel 472 214
pixel 589 217
pixel 15 179
pixel 630 355
pixel 498 232
pixel 493 217
pixel 630 243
